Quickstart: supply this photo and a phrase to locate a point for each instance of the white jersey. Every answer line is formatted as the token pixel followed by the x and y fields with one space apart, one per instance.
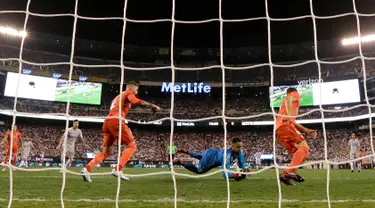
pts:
pixel 71 136
pixel 354 145
pixel 257 157
pixel 26 146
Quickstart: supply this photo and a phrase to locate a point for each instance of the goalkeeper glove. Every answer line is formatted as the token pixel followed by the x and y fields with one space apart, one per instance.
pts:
pixel 240 176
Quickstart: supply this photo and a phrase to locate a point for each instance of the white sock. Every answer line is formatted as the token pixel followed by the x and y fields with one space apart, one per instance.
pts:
pixel 359 166
pixel 22 163
pixel 351 165
pixel 26 164
pixel 67 163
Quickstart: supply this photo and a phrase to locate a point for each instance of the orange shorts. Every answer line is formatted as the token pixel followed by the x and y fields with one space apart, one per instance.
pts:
pixel 14 150
pixel 288 136
pixel 110 130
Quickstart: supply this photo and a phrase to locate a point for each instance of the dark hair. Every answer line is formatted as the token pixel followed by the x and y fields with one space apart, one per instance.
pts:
pixel 133 83
pixel 75 120
pixel 235 140
pixel 291 89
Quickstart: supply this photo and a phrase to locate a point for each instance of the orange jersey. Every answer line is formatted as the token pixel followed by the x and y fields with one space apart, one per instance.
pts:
pixel 127 99
pixel 295 107
pixel 16 136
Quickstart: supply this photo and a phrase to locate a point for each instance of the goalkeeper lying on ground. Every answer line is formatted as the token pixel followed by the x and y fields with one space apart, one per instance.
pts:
pixel 212 158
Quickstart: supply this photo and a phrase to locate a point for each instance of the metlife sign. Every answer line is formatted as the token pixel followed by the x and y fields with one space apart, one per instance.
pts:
pixel 186 87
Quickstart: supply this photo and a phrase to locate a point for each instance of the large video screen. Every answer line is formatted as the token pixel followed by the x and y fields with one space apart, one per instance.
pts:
pixel 338 92
pixel 45 88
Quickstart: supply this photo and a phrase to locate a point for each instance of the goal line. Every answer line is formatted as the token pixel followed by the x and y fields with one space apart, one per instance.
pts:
pixel 171 200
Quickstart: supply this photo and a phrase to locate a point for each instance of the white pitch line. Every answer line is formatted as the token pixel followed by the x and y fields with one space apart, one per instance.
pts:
pixel 170 200
pixel 249 177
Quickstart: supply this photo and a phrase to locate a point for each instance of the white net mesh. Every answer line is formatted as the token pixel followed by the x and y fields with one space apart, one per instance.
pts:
pixel 173 68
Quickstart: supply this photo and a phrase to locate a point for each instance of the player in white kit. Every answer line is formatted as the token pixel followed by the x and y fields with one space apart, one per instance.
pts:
pixel 258 162
pixel 354 149
pixel 72 134
pixel 26 149
pixel 1 159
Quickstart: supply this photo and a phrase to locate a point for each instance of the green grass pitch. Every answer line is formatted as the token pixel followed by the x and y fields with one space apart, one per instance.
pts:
pixel 42 190
pixel 91 97
pixel 306 98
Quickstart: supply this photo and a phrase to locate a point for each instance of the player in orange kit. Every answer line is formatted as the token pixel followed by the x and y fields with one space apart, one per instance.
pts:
pixel 111 129
pixel 7 138
pixel 288 133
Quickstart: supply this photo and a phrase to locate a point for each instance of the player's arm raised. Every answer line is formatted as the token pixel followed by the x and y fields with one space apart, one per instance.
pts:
pixel 134 100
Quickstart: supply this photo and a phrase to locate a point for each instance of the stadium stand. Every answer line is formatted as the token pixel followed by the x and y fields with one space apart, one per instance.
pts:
pixel 241 101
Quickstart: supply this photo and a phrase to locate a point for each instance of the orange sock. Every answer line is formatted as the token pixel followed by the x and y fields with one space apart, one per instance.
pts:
pixel 97 159
pixel 126 155
pixel 298 158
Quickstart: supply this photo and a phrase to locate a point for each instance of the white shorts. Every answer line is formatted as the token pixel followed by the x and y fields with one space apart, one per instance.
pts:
pixel 353 156
pixel 69 153
pixel 25 155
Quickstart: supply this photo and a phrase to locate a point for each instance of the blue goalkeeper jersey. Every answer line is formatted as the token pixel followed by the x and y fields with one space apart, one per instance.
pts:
pixel 214 158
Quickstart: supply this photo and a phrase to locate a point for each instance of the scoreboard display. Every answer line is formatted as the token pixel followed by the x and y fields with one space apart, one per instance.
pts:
pixel 325 93
pixel 52 89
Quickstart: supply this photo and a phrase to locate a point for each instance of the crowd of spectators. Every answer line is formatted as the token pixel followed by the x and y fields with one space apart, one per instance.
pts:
pixel 152 145
pixel 183 109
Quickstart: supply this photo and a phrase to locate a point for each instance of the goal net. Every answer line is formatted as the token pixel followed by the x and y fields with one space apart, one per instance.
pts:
pixel 222 116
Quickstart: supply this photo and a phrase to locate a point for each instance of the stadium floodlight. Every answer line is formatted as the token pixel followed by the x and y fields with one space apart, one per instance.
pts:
pixel 12 31
pixel 355 40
